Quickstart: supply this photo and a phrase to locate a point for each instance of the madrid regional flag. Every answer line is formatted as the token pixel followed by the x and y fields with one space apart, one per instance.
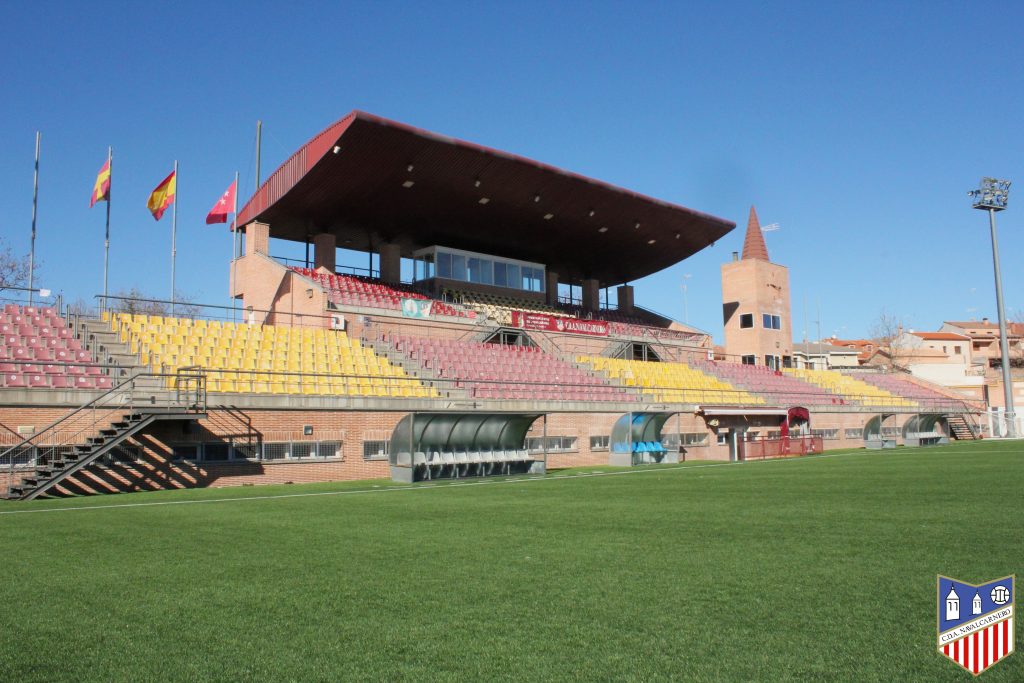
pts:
pixel 163 196
pixel 224 206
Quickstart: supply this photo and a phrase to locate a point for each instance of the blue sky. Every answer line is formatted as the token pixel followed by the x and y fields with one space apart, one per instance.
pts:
pixel 858 127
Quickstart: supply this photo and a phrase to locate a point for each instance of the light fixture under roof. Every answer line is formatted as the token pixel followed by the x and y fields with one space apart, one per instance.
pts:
pixel 651 241
pixel 484 200
pixel 603 228
pixel 548 216
pixel 408 183
pixel 637 226
pixel 337 149
pixel 409 168
pixel 591 214
pixel 476 182
pixel 536 198
pixel 678 235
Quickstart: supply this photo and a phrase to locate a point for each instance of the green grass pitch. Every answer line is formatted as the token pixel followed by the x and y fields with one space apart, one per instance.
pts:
pixel 813 569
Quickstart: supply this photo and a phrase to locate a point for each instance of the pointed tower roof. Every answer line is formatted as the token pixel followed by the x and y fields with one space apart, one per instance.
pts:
pixel 753 244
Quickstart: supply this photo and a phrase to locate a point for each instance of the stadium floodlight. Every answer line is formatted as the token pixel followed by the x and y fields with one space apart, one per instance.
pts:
pixel 993 195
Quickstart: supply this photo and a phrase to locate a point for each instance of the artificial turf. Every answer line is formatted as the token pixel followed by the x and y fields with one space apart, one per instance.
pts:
pixel 820 568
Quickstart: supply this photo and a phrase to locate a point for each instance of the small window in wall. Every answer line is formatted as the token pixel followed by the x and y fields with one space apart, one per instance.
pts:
pixel 854 432
pixel 826 433
pixel 376 450
pixel 695 438
pixel 749 360
pixel 787 361
pixel 956 350
pixel 746 320
pixel 556 444
pixel 599 443
pixel 722 438
pixel 216 452
pixel 185 452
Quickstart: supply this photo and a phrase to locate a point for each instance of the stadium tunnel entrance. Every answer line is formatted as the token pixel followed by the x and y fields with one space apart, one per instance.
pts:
pixel 427 446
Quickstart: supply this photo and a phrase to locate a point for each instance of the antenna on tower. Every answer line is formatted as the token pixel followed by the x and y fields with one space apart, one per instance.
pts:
pixel 771 227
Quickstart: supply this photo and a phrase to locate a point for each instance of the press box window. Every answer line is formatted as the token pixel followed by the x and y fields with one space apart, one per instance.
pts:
pixel 746 320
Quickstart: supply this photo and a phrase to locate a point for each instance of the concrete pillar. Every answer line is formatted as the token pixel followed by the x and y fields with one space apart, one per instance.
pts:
pixel 591 295
pixel 390 263
pixel 624 294
pixel 324 246
pixel 257 239
pixel 550 288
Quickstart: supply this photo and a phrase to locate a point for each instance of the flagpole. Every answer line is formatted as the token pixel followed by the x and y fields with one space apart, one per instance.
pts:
pixel 106 239
pixel 174 232
pixel 35 202
pixel 234 252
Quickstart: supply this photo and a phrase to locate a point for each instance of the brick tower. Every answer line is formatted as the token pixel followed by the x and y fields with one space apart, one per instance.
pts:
pixel 755 304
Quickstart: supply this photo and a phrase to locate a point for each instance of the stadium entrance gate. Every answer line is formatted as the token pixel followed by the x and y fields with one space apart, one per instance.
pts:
pixel 454 445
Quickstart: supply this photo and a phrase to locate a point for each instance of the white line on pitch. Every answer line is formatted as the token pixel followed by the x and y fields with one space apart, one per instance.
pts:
pixel 456 484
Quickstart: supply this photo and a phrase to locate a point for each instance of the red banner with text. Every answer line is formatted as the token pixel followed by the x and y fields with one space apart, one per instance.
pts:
pixel 550 323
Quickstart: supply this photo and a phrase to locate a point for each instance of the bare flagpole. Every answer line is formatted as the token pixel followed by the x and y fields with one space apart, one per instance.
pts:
pixel 106 239
pixel 35 202
pixel 174 232
pixel 234 251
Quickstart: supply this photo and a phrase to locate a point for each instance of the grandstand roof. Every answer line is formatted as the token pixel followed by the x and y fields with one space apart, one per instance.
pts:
pixel 370 180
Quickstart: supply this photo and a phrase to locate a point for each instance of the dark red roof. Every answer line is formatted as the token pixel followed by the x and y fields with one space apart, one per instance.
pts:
pixel 370 180
pixel 753 243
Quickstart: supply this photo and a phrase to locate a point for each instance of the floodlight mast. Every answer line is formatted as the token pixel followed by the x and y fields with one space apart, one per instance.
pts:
pixel 993 195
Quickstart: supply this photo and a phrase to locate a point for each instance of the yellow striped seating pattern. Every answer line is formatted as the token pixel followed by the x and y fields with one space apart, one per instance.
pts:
pixel 849 388
pixel 255 359
pixel 670 382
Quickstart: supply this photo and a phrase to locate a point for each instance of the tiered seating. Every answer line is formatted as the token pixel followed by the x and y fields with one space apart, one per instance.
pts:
pixel 901 387
pixel 253 359
pixel 849 388
pixel 671 382
pixel 508 372
pixel 777 388
pixel 500 308
pixel 350 290
pixel 39 350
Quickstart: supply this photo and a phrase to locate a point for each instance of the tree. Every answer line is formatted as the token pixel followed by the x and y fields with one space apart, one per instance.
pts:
pixel 13 268
pixel 887 332
pixel 134 300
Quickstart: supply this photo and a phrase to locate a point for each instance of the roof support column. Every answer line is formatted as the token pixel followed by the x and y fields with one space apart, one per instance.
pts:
pixel 624 294
pixel 550 288
pixel 257 239
pixel 591 294
pixel 325 245
pixel 391 263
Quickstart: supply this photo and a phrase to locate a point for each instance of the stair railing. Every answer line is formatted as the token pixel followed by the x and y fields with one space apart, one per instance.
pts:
pixel 62 435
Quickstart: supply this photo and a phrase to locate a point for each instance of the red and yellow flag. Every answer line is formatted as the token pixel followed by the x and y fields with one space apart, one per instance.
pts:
pixel 162 196
pixel 101 190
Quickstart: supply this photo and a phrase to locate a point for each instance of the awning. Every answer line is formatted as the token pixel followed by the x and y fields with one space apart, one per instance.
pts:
pixel 723 412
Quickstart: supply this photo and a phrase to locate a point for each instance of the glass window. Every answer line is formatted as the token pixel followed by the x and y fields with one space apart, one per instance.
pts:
pixel 444 265
pixel 766 321
pixel 480 271
pixel 749 360
pixel 216 452
pixel 513 275
pixel 500 278
pixel 375 450
pixel 776 322
pixel 746 320
pixel 458 267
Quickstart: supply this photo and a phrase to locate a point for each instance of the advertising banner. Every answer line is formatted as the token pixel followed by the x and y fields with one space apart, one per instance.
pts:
pixel 551 323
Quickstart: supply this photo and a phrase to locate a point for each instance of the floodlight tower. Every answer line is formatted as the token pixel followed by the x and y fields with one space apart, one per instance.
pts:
pixel 993 195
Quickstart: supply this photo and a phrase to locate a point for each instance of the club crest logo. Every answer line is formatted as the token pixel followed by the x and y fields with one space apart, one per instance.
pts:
pixel 975 621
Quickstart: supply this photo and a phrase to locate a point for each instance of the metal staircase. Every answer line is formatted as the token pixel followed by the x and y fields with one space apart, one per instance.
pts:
pixel 42 461
pixel 961 428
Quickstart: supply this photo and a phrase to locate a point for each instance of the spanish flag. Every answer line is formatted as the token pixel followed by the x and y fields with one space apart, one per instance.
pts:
pixel 163 196
pixel 101 190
